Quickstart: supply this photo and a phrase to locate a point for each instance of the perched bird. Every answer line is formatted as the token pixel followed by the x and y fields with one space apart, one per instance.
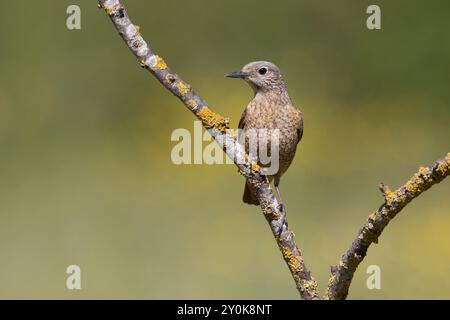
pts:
pixel 270 109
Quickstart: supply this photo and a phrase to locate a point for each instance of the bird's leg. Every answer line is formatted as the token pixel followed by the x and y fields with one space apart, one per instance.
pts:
pixel 276 184
pixel 282 208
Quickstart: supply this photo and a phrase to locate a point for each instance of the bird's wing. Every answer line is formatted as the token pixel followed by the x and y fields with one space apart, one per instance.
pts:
pixel 299 134
pixel 242 121
pixel 299 125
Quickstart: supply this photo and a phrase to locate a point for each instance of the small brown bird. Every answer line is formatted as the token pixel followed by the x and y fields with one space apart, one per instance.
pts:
pixel 271 109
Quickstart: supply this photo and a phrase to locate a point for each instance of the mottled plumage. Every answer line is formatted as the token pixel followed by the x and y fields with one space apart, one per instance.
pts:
pixel 271 108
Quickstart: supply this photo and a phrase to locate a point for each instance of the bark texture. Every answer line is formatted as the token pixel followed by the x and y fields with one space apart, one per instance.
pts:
pixel 217 126
pixel 395 201
pixel 275 215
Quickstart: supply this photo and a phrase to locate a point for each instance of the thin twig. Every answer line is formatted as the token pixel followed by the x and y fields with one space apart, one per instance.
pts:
pixel 217 126
pixel 395 201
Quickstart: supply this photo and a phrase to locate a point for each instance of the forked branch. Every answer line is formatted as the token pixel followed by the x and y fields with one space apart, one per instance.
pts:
pixel 395 201
pixel 217 126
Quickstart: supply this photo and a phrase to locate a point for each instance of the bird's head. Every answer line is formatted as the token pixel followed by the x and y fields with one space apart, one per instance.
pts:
pixel 261 75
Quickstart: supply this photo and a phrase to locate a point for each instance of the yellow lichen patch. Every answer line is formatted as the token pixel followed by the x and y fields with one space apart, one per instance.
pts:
pixel 287 254
pixel 330 281
pixel 373 216
pixel 444 166
pixel 255 167
pixel 160 64
pixel 110 11
pixel 389 196
pixel 233 135
pixel 192 104
pixel 292 261
pixel 414 185
pixel 419 181
pixel 138 30
pixel 210 119
pixel 183 88
pixel 425 174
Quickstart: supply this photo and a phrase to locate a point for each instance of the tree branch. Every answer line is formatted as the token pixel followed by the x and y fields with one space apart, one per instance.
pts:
pixel 395 201
pixel 217 126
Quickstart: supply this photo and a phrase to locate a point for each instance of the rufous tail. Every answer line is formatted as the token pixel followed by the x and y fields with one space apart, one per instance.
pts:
pixel 249 195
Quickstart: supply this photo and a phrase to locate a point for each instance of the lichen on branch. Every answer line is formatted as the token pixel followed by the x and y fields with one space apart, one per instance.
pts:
pixel 217 126
pixel 425 178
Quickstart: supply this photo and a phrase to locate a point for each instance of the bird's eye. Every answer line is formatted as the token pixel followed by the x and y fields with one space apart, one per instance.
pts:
pixel 262 71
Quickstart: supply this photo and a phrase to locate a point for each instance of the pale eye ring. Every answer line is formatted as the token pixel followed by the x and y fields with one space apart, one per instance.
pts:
pixel 262 71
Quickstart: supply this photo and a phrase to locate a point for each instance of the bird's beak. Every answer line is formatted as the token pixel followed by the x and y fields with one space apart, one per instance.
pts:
pixel 237 74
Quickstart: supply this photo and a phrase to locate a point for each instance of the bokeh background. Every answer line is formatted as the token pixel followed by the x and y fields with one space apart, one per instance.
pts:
pixel 85 170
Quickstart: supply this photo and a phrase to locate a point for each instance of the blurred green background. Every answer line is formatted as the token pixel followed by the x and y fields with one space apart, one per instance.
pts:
pixel 85 170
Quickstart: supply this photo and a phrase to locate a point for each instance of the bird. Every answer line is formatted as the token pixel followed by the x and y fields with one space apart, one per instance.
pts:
pixel 271 109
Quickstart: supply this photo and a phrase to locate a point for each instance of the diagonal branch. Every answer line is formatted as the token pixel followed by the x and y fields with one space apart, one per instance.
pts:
pixel 217 126
pixel 395 201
